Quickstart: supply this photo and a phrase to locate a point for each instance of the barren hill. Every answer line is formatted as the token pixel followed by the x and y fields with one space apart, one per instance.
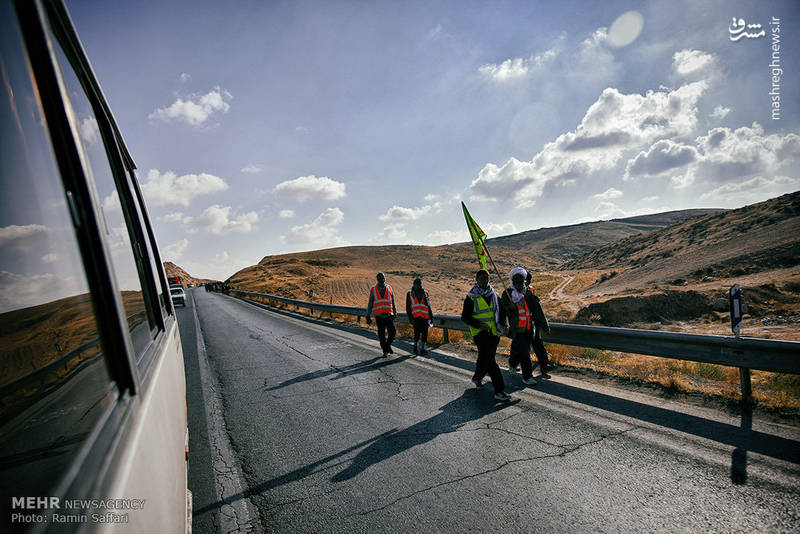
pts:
pixel 343 275
pixel 754 239
pixel 173 270
pixel 558 244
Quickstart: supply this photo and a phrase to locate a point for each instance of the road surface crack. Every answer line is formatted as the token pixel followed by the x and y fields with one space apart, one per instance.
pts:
pixel 565 449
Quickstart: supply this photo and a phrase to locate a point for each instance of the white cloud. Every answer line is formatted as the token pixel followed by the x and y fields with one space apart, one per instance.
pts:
pixel 253 168
pixel 720 112
pixel 731 154
pixel 111 203
pixel 24 290
pixel 311 187
pixel 494 229
pixel 286 214
pixel 594 63
pixel 439 237
pixel 608 194
pixel 753 190
pixel 690 62
pixel 185 77
pixel 321 231
pixel 50 258
pixel 431 197
pixel 89 130
pixel 516 180
pixel 392 232
pixel 650 198
pixel 509 69
pixel 174 251
pixel 517 68
pixel 196 109
pixel 167 188
pixel 613 125
pixel 172 217
pixel 663 156
pixel 399 213
pixel 216 219
pixel 14 235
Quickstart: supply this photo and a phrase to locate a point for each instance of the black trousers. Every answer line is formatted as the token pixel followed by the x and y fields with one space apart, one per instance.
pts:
pixel 541 353
pixel 420 329
pixel 486 364
pixel 385 326
pixel 521 352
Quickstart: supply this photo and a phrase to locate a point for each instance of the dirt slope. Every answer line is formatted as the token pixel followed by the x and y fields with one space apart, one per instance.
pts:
pixel 753 239
pixel 173 270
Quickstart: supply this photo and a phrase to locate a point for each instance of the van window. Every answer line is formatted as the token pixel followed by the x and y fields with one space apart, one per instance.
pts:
pixel 116 222
pixel 54 383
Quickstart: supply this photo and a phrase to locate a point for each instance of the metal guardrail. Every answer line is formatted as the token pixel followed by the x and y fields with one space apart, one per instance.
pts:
pixel 744 353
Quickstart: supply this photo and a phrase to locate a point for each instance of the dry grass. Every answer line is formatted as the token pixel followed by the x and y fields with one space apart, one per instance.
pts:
pixel 774 391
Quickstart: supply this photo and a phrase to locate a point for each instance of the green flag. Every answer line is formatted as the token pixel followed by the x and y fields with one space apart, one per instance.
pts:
pixel 477 235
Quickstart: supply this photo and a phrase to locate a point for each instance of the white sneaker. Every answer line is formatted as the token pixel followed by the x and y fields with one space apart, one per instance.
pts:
pixel 478 383
pixel 529 381
pixel 502 396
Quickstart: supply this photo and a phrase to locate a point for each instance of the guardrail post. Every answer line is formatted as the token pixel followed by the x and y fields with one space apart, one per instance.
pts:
pixel 747 387
pixel 446 336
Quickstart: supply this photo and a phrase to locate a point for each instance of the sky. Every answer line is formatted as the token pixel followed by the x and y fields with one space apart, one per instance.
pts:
pixel 268 127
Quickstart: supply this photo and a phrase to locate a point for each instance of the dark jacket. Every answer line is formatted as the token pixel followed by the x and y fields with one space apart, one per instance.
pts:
pixel 469 306
pixel 417 296
pixel 512 312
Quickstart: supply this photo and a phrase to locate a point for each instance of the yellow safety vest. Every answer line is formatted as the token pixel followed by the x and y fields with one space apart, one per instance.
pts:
pixel 483 312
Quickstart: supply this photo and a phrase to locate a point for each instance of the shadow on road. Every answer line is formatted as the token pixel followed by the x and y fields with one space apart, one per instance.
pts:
pixel 470 406
pixel 342 372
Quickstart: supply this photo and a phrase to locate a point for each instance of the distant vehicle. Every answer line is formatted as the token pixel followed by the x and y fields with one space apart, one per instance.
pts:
pixel 178 296
pixel 92 386
pixel 190 285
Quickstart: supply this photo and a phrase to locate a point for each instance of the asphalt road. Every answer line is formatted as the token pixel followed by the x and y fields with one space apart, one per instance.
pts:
pixel 298 426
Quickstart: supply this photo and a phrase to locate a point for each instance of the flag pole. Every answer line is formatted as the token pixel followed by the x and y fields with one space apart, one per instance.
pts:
pixel 491 260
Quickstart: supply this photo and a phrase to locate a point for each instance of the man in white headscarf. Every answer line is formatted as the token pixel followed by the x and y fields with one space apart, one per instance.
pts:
pixel 518 303
pixel 540 325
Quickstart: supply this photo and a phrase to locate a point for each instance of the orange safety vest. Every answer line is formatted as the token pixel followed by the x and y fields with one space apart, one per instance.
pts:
pixel 524 315
pixel 418 308
pixel 382 304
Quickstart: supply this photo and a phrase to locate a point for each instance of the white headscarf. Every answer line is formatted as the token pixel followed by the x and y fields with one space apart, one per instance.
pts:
pixel 516 296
